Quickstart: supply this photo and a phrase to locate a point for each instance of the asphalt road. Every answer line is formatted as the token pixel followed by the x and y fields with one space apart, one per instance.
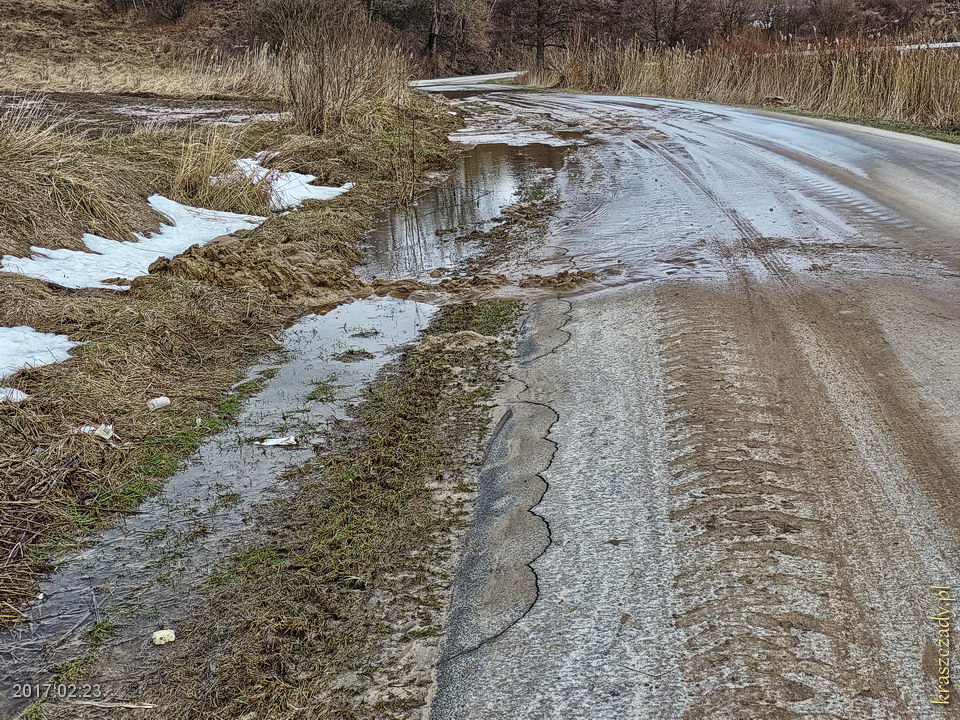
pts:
pixel 729 474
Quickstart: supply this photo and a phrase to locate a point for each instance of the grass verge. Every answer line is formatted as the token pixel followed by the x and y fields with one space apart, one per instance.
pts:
pixel 927 131
pixel 859 78
pixel 186 331
pixel 299 623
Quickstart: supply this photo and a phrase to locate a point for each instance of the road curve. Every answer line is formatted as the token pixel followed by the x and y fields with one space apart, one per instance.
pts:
pixel 729 475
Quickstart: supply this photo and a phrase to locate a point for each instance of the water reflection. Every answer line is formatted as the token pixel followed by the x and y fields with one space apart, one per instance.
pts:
pixel 434 232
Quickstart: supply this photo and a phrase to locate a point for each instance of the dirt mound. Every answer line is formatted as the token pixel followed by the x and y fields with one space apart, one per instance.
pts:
pixel 286 271
pixel 563 280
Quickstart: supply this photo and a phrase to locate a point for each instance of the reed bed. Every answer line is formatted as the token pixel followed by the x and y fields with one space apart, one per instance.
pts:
pixel 858 79
pixel 255 73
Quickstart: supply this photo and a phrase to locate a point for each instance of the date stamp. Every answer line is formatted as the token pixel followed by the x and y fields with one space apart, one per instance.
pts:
pixel 57 691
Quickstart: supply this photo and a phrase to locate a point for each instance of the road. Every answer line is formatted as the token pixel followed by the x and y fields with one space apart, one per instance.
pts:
pixel 728 476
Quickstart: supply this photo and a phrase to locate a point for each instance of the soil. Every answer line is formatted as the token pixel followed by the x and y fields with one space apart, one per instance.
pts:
pixel 102 113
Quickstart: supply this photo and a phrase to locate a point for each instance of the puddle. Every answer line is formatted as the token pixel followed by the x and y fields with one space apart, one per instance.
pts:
pixel 140 575
pixel 134 577
pixel 417 239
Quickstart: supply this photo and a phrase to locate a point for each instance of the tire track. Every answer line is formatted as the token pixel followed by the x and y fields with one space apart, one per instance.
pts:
pixel 776 629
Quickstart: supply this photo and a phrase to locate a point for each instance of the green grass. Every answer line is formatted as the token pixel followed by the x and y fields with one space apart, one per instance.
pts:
pixel 186 337
pixel 102 630
pixel 537 193
pixel 323 390
pixel 292 611
pixel 71 670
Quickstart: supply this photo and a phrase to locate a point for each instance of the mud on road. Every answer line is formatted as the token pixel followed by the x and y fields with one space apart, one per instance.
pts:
pixel 731 478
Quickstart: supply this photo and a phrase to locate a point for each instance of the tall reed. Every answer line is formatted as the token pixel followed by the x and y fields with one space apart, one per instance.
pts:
pixel 862 79
pixel 343 69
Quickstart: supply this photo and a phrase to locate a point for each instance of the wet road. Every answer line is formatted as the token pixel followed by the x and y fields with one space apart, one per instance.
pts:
pixel 728 477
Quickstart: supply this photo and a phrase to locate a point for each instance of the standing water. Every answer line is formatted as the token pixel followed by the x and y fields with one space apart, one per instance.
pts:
pixel 139 576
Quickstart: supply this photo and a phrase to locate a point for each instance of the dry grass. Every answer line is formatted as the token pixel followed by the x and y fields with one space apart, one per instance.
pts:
pixel 253 74
pixel 342 70
pixel 358 546
pixel 179 337
pixel 210 154
pixel 179 333
pixel 53 189
pixel 56 184
pixel 853 79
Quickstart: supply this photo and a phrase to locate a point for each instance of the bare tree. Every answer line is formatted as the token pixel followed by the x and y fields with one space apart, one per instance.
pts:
pixel 832 17
pixel 673 22
pixel 734 15
pixel 537 24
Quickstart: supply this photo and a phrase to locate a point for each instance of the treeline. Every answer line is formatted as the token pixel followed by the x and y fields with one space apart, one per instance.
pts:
pixel 476 35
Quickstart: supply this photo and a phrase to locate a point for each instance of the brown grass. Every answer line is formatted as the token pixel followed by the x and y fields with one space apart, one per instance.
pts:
pixel 211 154
pixel 857 79
pixel 56 184
pixel 343 70
pixel 365 542
pixel 252 74
pixel 53 189
pixel 179 337
pixel 177 333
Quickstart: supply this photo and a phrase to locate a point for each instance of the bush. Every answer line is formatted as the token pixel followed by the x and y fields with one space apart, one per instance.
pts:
pixel 342 68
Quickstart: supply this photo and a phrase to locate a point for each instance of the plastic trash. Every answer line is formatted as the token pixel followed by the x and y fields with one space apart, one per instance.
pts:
pixel 158 402
pixel 102 432
pixel 162 637
pixel 288 441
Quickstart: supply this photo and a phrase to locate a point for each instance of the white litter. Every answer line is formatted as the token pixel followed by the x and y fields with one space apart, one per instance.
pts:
pixel 162 637
pixel 158 403
pixel 288 189
pixel 288 441
pixel 112 259
pixel 23 347
pixel 104 432
pixel 12 395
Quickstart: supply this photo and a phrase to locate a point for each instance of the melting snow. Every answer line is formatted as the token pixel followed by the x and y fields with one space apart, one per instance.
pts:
pixel 288 189
pixel 109 259
pixel 23 347
pixel 512 136
pixel 124 261
pixel 12 395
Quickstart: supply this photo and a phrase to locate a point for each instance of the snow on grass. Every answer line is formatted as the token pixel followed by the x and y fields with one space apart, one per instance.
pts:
pixel 109 259
pixel 288 189
pixel 121 262
pixel 12 395
pixel 23 347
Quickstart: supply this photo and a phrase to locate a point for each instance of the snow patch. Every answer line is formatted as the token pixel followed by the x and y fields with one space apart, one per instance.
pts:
pixel 466 79
pixel 12 395
pixel 23 347
pixel 109 259
pixel 288 189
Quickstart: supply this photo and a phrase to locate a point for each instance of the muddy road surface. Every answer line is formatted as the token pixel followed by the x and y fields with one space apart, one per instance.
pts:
pixel 726 484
